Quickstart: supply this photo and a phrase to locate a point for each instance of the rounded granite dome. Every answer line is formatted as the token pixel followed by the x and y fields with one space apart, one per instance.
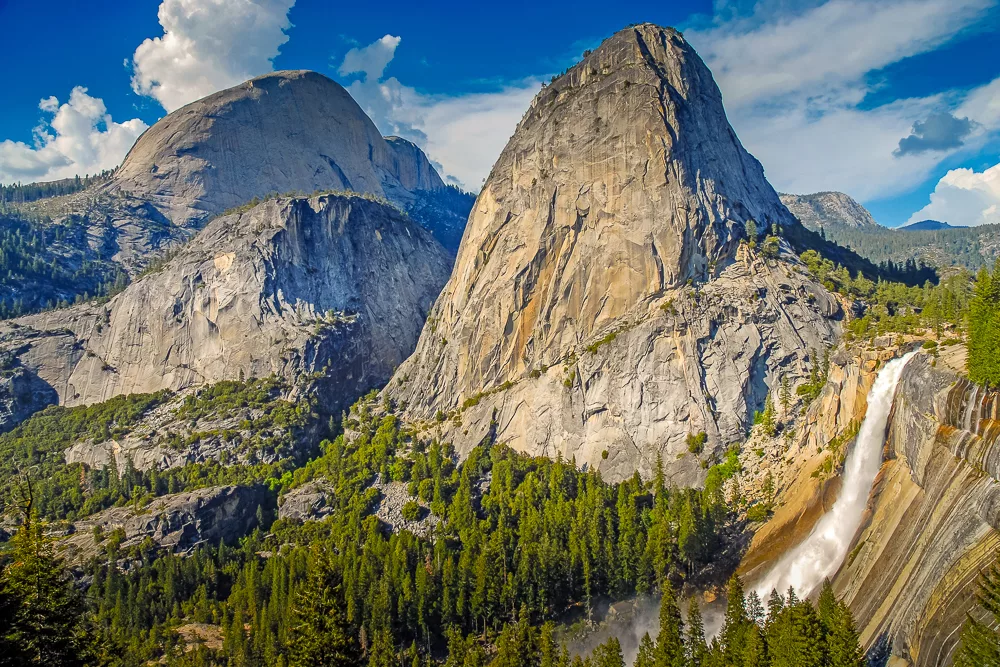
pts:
pixel 282 132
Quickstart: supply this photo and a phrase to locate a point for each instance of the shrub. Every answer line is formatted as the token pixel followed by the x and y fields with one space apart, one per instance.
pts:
pixel 696 442
pixel 758 513
pixel 412 511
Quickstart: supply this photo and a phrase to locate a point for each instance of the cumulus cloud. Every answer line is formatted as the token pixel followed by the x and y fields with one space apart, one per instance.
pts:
pixel 79 138
pixel 940 132
pixel 462 134
pixel 372 59
pixel 793 81
pixel 964 197
pixel 208 45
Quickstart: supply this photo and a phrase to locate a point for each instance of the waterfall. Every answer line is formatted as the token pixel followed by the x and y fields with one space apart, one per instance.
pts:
pixel 820 555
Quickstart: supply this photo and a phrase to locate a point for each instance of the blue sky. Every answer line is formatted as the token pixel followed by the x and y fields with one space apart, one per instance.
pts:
pixel 896 102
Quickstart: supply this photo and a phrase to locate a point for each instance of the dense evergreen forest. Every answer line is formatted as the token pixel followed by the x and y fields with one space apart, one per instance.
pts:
pixel 512 538
pixel 516 541
pixel 45 265
pixel 268 440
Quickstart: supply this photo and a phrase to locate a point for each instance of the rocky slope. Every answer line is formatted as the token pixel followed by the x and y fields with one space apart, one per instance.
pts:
pixel 825 209
pixel 334 285
pixel 178 523
pixel 284 132
pixel 599 306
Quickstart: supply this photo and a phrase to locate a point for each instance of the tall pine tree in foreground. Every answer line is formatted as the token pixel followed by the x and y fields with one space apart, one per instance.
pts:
pixel 41 612
pixel 669 641
pixel 980 640
pixel 984 329
pixel 842 646
pixel 695 646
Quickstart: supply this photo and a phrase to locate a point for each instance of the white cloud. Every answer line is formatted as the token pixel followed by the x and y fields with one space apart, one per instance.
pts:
pixel 827 49
pixel 964 197
pixel 462 134
pixel 372 59
pixel 208 45
pixel 843 149
pixel 983 104
pixel 80 138
pixel 793 82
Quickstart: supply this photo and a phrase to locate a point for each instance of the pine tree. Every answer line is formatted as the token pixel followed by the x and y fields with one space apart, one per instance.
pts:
pixel 318 633
pixel 827 605
pixel 843 648
pixel 980 639
pixel 984 329
pixel 752 233
pixel 547 649
pixel 754 654
pixel 669 642
pixel 795 635
pixel 42 612
pixel 696 648
pixel 646 656
pixel 733 634
pixel 609 654
pixel 775 604
pixel 785 395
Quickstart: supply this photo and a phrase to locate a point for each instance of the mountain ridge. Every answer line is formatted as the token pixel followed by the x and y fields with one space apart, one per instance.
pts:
pixel 823 209
pixel 928 225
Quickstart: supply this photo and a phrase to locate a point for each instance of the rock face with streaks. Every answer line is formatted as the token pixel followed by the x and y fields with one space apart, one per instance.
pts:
pixel 292 286
pixel 933 514
pixel 601 304
pixel 934 517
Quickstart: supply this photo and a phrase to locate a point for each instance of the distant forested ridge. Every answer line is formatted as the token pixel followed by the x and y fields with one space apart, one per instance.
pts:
pixel 20 194
pixel 968 247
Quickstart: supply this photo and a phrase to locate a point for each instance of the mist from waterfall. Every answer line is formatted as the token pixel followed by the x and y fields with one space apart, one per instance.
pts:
pixel 820 555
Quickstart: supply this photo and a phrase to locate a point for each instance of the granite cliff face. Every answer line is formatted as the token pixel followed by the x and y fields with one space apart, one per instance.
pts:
pixel 281 132
pixel 293 286
pixel 284 132
pixel 600 304
pixel 825 209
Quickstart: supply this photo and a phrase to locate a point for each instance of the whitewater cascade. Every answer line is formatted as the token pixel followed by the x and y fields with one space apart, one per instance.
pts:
pixel 819 556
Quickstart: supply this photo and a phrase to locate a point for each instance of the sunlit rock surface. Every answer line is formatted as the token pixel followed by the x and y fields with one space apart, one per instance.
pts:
pixel 599 307
pixel 292 287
